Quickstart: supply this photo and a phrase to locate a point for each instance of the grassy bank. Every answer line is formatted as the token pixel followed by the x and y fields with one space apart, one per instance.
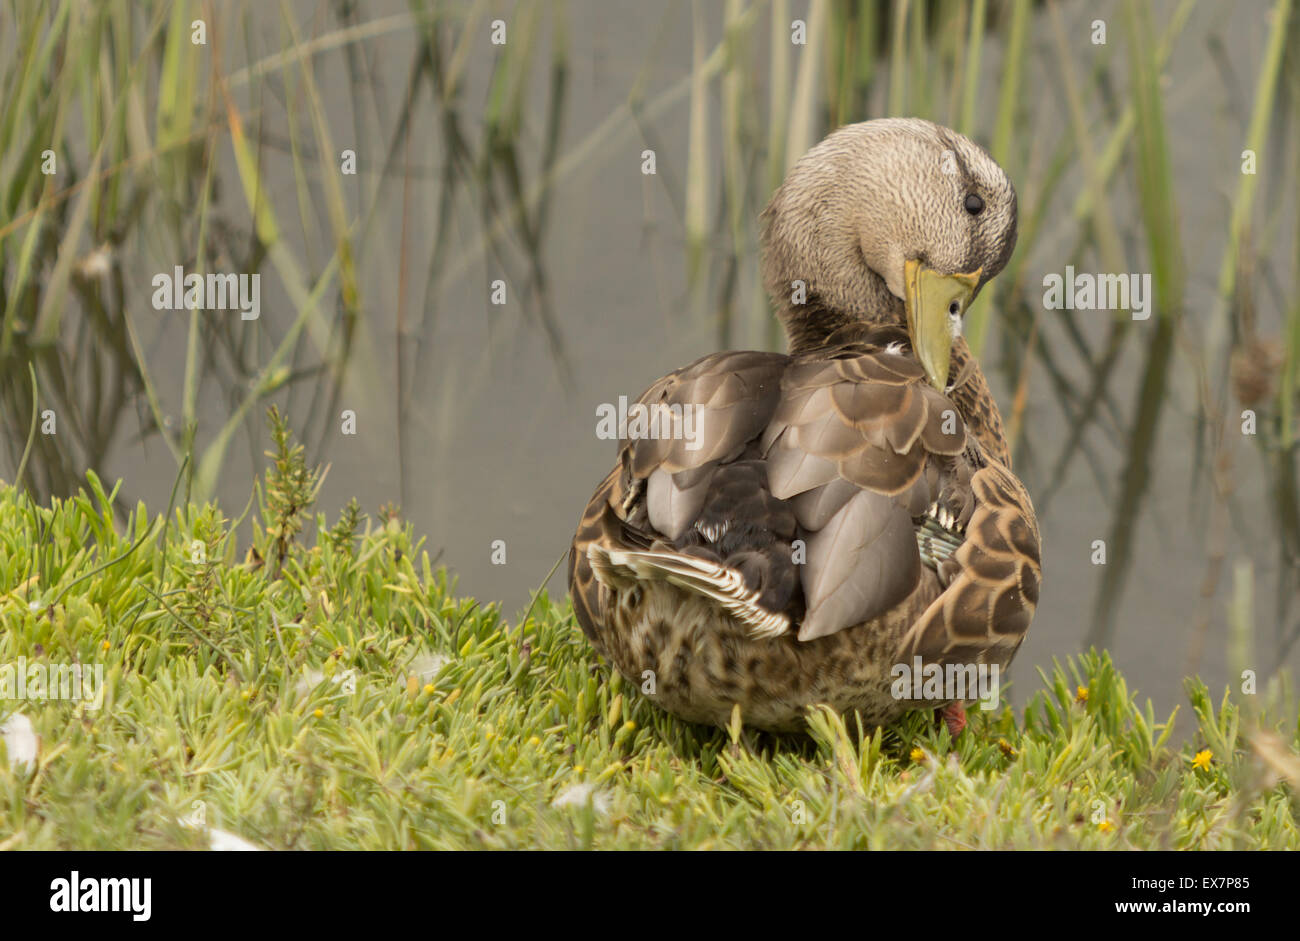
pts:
pixel 329 691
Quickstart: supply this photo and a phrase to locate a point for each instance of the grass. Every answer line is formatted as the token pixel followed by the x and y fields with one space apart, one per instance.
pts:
pixel 322 687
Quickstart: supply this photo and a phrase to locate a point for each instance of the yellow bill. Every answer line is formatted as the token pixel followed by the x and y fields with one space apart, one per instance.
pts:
pixel 931 300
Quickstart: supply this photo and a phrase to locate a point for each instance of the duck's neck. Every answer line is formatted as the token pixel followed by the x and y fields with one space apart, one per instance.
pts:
pixel 811 326
pixel 816 323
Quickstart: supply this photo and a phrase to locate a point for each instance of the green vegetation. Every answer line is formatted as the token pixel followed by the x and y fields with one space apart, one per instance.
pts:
pixel 338 695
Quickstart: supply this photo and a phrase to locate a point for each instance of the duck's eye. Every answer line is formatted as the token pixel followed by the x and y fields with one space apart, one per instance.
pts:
pixel 954 309
pixel 974 205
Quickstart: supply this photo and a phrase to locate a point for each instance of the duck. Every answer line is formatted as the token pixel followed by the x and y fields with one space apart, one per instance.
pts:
pixel 784 531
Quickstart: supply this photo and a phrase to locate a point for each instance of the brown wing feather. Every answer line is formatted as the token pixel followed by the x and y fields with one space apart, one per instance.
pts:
pixel 735 394
pixel 596 526
pixel 854 445
pixel 849 445
pixel 984 612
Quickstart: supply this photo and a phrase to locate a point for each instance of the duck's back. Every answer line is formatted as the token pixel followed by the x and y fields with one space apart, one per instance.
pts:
pixel 782 530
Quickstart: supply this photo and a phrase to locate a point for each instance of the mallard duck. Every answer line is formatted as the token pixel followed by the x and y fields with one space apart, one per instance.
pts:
pixel 788 529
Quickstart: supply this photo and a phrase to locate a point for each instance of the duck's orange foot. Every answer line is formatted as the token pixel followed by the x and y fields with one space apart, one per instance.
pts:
pixel 953 716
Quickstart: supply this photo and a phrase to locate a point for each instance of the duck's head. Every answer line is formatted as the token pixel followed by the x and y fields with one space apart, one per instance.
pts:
pixel 897 221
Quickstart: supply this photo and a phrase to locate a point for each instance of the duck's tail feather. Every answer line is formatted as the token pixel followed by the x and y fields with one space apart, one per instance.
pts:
pixel 621 569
